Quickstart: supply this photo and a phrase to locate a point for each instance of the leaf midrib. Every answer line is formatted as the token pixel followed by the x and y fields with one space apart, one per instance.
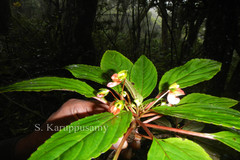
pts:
pixel 78 140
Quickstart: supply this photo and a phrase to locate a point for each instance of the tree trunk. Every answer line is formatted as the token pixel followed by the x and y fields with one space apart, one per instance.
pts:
pixel 165 36
pixel 77 32
pixel 196 19
pixel 5 14
pixel 86 14
pixel 219 39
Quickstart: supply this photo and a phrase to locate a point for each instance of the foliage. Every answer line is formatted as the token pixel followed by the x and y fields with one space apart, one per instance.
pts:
pixel 132 84
pixel 81 142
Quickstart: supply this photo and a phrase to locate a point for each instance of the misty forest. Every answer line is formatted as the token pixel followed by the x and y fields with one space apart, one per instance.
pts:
pixel 40 37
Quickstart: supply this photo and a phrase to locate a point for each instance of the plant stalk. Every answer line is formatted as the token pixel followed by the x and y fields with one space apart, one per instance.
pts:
pixel 149 115
pixel 145 128
pixel 204 135
pixel 154 102
pixel 144 136
pixel 122 142
pixel 152 119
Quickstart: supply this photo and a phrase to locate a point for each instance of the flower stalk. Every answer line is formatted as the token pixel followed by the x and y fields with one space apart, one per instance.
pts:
pixel 154 102
pixel 204 135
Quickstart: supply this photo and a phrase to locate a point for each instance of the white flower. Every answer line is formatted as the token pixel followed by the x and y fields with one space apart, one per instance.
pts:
pixel 173 94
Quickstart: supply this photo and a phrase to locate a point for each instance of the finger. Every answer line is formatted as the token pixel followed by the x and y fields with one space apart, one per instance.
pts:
pixel 115 146
pixel 77 109
pixel 65 110
pixel 86 108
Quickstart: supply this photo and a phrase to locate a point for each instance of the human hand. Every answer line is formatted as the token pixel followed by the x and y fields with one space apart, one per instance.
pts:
pixel 70 111
pixel 75 109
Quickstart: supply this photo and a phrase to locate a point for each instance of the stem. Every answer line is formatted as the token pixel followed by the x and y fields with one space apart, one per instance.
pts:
pixel 144 136
pixel 129 99
pixel 125 106
pixel 152 119
pixel 145 128
pixel 137 110
pixel 149 115
pixel 123 85
pixel 204 135
pixel 114 94
pixel 153 103
pixel 122 142
pixel 133 111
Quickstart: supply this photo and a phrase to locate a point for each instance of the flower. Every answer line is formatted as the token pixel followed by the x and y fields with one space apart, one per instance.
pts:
pixel 117 107
pixel 102 92
pixel 122 75
pixel 174 92
pixel 113 84
pixel 124 93
pixel 117 78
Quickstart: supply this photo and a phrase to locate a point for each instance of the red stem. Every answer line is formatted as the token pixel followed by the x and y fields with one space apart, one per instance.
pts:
pixel 150 104
pixel 152 119
pixel 134 114
pixel 114 94
pixel 122 142
pixel 144 136
pixel 145 128
pixel 129 99
pixel 204 135
pixel 159 97
pixel 149 115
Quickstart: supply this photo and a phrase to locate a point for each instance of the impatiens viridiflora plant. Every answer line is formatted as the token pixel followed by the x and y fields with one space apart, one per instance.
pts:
pixel 131 108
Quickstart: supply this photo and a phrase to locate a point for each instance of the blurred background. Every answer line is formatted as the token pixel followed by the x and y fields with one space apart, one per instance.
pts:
pixel 40 37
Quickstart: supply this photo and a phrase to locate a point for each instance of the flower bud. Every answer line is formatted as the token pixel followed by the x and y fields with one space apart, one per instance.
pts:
pixel 176 90
pixel 119 104
pixel 122 75
pixel 173 87
pixel 114 110
pixel 117 107
pixel 124 93
pixel 115 77
pixel 113 84
pixel 102 92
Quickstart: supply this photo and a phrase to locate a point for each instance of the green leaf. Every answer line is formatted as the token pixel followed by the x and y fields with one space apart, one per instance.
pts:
pixel 93 73
pixel 193 126
pixel 86 138
pixel 148 101
pixel 134 93
pixel 229 138
pixel 176 149
pixel 193 72
pixel 115 61
pixel 144 76
pixel 208 99
pixel 207 113
pixel 163 122
pixel 50 84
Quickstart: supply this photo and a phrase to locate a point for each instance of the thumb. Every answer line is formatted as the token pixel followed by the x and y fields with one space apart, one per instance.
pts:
pixel 115 146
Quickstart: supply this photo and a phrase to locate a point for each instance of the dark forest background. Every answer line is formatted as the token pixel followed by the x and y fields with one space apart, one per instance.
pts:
pixel 40 37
